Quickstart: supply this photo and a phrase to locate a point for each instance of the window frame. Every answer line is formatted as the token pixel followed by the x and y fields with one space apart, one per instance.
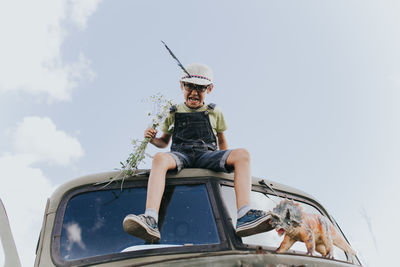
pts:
pixel 59 218
pixel 237 241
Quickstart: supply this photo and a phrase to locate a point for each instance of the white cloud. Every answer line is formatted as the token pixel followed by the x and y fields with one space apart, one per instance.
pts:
pixel 39 138
pixel 74 234
pixel 82 10
pixel 24 188
pixel 30 50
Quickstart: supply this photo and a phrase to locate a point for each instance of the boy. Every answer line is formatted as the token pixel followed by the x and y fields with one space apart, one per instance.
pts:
pixel 197 131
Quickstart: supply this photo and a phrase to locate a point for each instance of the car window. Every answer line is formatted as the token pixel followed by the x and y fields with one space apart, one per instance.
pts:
pixel 267 203
pixel 92 223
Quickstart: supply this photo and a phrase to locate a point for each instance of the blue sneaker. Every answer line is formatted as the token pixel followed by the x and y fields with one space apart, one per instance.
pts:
pixel 143 227
pixel 253 222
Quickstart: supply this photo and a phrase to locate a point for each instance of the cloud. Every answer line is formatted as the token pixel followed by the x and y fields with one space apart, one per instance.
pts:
pixel 24 187
pixel 30 50
pixel 24 190
pixel 39 138
pixel 81 10
pixel 74 235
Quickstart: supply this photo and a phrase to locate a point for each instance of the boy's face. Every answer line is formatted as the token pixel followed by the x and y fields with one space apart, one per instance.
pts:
pixel 195 94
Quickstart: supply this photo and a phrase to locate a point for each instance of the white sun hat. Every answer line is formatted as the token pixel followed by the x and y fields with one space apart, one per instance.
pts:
pixel 199 74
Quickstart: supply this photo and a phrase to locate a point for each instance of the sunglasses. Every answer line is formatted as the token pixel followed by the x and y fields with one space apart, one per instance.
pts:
pixel 199 88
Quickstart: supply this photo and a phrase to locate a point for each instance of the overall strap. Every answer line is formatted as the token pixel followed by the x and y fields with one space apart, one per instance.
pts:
pixel 211 106
pixel 172 109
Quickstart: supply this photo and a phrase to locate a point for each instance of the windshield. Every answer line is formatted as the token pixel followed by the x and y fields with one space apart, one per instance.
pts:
pixel 267 203
pixel 92 223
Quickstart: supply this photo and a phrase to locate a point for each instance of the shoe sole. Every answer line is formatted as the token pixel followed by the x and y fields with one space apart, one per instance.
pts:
pixel 134 226
pixel 257 227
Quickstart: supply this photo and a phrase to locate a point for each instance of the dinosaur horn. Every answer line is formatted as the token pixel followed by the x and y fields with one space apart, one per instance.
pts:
pixel 179 63
pixel 287 214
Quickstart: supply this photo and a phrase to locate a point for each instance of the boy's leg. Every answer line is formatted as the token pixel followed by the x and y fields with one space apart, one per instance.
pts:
pixel 162 162
pixel 240 160
pixel 226 161
pixel 145 225
pixel 249 221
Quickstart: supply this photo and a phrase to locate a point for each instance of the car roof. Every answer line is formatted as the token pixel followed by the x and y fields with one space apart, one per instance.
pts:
pixel 194 173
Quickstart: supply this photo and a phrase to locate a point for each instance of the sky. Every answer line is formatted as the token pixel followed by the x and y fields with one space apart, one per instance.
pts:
pixel 311 88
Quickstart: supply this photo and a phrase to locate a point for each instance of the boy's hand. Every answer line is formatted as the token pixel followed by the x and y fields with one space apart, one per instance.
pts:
pixel 160 142
pixel 150 133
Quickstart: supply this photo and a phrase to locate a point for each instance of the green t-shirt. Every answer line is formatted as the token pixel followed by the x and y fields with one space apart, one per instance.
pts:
pixel 216 118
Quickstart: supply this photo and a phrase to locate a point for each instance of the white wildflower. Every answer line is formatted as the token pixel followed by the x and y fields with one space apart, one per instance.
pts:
pixel 161 107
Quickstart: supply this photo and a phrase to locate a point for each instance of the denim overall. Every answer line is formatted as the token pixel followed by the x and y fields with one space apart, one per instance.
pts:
pixel 194 144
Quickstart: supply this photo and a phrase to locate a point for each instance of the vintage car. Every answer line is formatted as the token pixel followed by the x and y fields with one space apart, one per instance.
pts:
pixel 82 224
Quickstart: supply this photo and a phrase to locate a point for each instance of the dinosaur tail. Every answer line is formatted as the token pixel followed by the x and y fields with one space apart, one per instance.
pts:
pixel 341 243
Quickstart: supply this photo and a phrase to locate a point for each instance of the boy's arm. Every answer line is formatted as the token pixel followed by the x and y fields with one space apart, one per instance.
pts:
pixel 222 144
pixel 160 142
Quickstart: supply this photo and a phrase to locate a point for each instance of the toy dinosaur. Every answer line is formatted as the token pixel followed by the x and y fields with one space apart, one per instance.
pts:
pixel 315 230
